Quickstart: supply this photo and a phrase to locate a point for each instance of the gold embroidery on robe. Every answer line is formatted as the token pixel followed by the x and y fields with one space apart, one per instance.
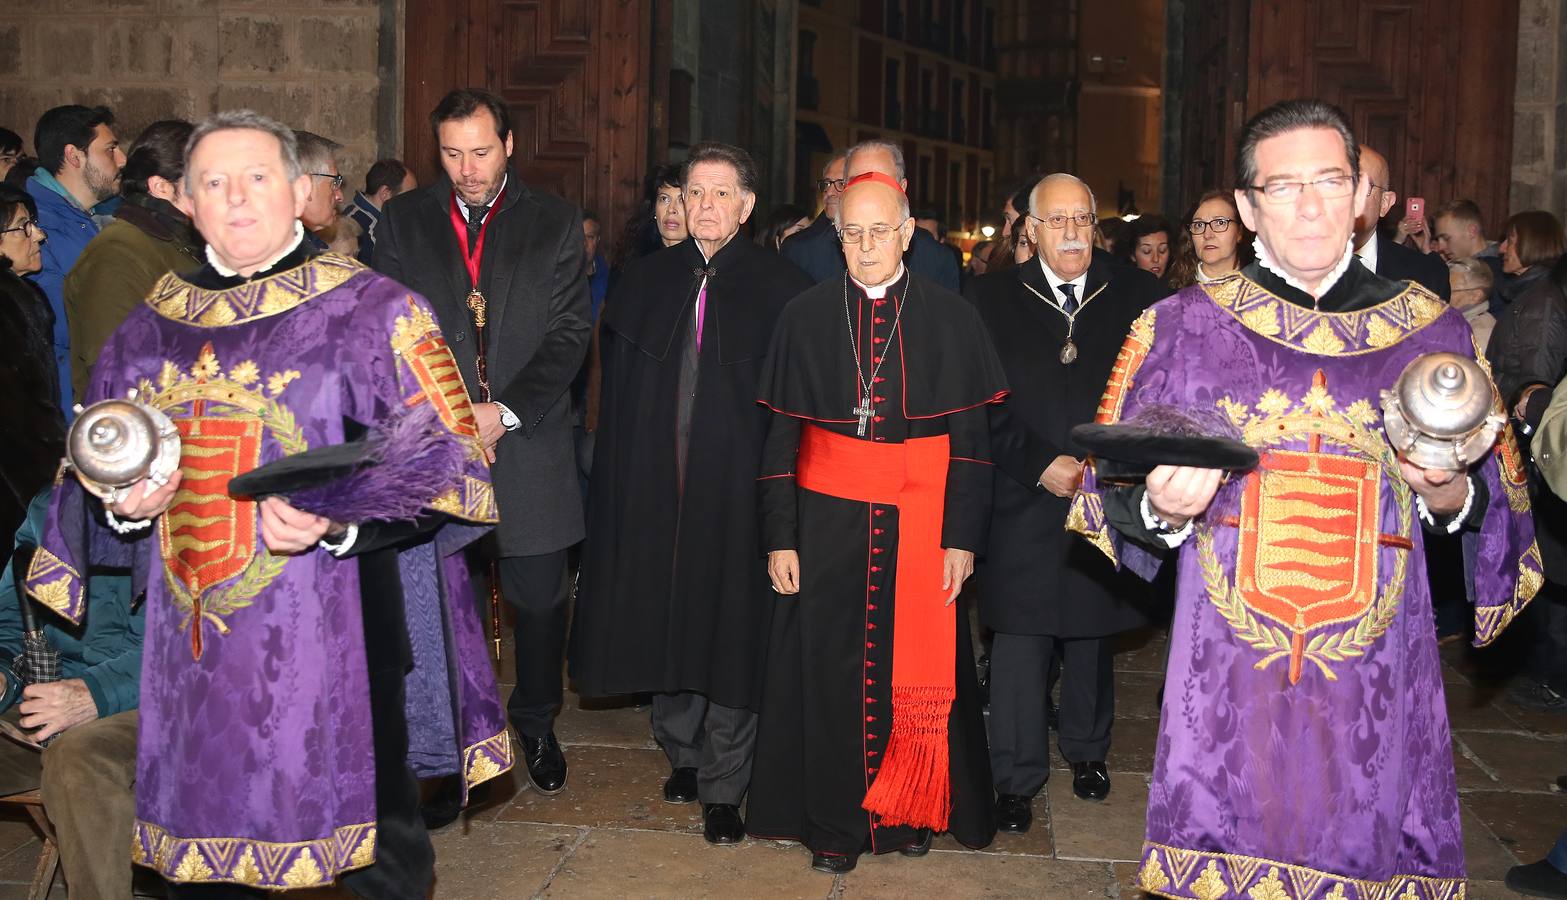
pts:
pixel 1307 557
pixel 1325 333
pixel 1255 877
pixel 213 560
pixel 175 298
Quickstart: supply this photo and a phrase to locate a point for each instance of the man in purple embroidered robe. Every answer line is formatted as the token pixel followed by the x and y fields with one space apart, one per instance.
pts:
pixel 1304 749
pixel 283 650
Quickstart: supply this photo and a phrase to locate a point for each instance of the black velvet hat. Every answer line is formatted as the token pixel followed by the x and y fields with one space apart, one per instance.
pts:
pixel 392 472
pixel 1125 452
pixel 304 471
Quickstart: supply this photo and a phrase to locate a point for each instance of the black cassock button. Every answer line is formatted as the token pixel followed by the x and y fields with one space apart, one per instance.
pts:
pixel 459 336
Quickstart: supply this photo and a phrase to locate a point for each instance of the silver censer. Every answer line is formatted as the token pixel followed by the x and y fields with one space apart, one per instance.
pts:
pixel 115 443
pixel 1440 413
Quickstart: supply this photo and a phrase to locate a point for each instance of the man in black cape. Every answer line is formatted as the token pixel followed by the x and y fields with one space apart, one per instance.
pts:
pixel 875 495
pixel 674 598
pixel 1058 322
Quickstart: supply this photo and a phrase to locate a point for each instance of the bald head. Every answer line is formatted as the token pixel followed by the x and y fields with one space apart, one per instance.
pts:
pixel 1062 200
pixel 874 222
pixel 1062 182
pixel 891 204
pixel 1373 167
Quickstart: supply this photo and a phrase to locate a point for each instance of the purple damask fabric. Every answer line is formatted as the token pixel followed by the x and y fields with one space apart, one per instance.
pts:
pixel 255 758
pixel 1303 748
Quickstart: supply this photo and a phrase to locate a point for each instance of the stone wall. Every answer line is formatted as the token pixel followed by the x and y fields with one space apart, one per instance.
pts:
pixel 1540 108
pixel 329 66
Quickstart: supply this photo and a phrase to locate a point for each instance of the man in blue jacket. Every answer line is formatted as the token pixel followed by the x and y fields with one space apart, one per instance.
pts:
pixel 819 253
pixel 87 774
pixel 79 163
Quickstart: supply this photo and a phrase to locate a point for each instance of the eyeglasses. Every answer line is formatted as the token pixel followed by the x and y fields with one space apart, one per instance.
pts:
pixel 30 227
pixel 1218 224
pixel 337 180
pixel 1331 188
pixel 834 183
pixel 854 234
pixel 1057 220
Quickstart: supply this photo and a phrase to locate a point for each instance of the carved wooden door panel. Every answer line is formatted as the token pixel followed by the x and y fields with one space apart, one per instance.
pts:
pixel 576 74
pixel 1429 83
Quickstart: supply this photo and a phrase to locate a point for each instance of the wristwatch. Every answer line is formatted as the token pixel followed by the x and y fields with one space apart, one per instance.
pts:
pixel 509 420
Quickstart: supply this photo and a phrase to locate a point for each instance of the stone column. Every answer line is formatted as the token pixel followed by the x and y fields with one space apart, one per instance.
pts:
pixel 1539 178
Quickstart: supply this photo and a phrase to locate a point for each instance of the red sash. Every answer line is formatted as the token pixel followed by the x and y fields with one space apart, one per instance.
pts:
pixel 913 786
pixel 472 257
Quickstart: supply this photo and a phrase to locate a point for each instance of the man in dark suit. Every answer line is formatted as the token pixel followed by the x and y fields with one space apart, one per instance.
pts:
pixel 1385 257
pixel 817 249
pixel 501 264
pixel 1058 322
pixel 802 247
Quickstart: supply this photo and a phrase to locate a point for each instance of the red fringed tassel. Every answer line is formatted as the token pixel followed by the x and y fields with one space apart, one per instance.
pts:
pixel 914 785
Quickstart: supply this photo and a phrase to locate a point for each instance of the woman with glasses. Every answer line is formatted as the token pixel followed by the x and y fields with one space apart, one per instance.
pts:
pixel 29 380
pixel 1213 242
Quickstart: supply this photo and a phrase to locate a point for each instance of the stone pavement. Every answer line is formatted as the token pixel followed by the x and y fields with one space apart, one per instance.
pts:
pixel 610 835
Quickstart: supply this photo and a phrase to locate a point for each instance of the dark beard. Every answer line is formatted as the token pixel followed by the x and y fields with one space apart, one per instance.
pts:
pixel 489 195
pixel 102 188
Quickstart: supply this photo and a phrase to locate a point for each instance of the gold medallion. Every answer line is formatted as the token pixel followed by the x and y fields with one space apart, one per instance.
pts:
pixel 476 303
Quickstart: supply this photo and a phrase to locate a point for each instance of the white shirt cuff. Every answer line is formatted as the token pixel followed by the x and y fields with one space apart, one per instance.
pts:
pixel 507 416
pixel 1459 518
pixel 344 545
pixel 1171 539
pixel 125 526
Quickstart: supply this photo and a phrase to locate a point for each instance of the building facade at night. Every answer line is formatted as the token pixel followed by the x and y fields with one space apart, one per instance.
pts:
pixel 918 72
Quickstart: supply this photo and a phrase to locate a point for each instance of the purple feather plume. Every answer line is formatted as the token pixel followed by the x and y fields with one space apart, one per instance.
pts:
pixel 1184 422
pixel 1197 422
pixel 414 459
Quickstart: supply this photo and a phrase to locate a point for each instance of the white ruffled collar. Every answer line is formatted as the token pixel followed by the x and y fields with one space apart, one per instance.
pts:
pixel 1265 259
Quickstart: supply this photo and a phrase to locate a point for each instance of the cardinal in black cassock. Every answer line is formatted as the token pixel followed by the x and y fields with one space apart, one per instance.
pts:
pixel 674 598
pixel 875 495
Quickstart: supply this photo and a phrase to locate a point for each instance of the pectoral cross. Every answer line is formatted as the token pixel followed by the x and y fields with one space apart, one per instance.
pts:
pixel 864 412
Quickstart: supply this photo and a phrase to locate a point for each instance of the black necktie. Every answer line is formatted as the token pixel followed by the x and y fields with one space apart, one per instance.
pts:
pixel 476 216
pixel 1069 301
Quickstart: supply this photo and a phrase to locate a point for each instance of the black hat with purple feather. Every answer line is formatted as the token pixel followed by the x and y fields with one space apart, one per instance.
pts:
pixel 1125 452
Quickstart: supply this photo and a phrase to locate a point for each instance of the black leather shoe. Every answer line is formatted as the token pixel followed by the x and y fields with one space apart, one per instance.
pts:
pixel 1014 813
pixel 1053 714
pixel 1090 780
pixel 1539 879
pixel 680 786
pixel 721 823
pixel 919 847
pixel 545 763
pixel 834 863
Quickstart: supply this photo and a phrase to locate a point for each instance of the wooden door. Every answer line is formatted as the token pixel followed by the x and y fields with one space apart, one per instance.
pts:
pixel 579 77
pixel 1428 83
pixel 1213 97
